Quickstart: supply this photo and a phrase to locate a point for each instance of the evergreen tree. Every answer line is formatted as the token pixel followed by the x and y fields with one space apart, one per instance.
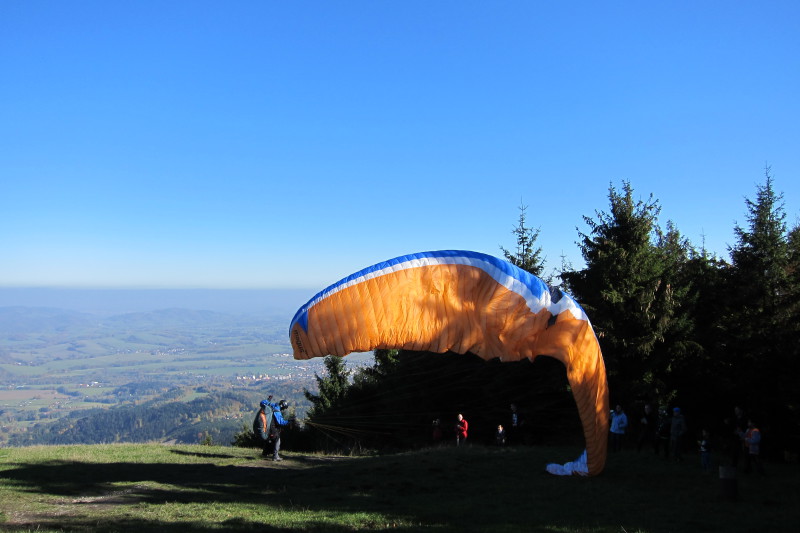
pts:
pixel 761 324
pixel 325 417
pixel 792 299
pixel 682 362
pixel 385 362
pixel 790 345
pixel 332 387
pixel 699 372
pixel 566 266
pixel 761 255
pixel 759 279
pixel 627 291
pixel 527 256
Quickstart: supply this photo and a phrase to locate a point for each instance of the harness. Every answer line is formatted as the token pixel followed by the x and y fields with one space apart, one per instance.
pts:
pixel 268 432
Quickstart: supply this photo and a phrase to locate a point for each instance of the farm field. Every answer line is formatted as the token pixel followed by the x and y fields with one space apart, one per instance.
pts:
pixel 59 363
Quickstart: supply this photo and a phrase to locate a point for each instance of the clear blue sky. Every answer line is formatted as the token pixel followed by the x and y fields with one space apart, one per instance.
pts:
pixel 287 144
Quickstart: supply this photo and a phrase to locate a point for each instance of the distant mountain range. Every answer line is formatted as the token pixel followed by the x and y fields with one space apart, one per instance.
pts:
pixel 20 319
pixel 118 301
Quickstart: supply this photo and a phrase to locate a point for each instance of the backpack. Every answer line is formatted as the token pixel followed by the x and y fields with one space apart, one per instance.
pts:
pixel 257 425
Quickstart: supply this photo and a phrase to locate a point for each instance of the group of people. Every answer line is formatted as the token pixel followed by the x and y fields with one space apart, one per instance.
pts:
pixel 269 421
pixel 744 441
pixel 661 431
pixel 503 434
pixel 667 432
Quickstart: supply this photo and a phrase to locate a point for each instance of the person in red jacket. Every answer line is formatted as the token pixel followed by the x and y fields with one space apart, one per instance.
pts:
pixel 461 429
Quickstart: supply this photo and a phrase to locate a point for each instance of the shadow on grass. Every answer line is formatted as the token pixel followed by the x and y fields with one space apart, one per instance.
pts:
pixel 192 482
pixel 233 525
pixel 147 526
pixel 203 454
pixel 445 490
pixel 205 482
pixel 85 492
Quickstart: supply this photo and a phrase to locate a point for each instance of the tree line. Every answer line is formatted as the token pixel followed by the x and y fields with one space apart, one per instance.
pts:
pixel 678 326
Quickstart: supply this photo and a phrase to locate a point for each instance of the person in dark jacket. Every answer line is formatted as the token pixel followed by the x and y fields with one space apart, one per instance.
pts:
pixel 500 435
pixel 648 424
pixel 515 426
pixel 676 433
pixel 705 450
pixel 662 433
pixel 752 442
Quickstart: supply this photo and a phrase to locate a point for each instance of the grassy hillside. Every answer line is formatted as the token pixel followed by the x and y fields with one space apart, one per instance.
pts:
pixel 136 487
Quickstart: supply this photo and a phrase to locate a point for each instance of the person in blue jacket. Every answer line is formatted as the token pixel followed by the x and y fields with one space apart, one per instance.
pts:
pixel 267 426
pixel 619 423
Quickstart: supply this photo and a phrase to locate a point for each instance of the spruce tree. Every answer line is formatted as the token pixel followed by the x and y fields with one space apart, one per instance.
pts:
pixel 761 255
pixel 792 299
pixel 761 323
pixel 332 387
pixel 527 256
pixel 685 364
pixel 627 291
pixel 790 345
pixel 384 363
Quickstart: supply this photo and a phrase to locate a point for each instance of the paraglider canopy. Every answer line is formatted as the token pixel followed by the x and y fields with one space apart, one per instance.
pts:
pixel 462 301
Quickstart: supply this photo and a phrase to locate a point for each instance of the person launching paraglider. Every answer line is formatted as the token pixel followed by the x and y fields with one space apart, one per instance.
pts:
pixel 267 427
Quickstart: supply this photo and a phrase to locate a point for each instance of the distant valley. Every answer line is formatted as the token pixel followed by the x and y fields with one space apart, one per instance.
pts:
pixel 60 365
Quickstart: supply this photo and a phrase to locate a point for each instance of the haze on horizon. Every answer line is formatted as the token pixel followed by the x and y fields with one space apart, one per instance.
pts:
pixel 264 302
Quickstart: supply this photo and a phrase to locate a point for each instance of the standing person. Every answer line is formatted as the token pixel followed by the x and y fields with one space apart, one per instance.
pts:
pixel 662 433
pixel 705 450
pixel 500 435
pixel 436 434
pixel 515 424
pixel 647 428
pixel 267 427
pixel 676 432
pixel 736 435
pixel 461 429
pixel 619 422
pixel 752 442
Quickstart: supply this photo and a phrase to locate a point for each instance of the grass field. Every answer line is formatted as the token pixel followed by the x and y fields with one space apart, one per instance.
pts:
pixel 154 487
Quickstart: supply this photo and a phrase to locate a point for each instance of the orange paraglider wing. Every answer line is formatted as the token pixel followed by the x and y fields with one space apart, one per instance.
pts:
pixel 462 302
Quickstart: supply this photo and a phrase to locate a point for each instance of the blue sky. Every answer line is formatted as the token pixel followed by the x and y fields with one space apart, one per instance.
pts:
pixel 288 144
